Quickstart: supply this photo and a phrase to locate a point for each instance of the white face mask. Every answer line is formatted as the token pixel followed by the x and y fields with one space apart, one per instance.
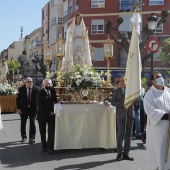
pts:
pixel 160 81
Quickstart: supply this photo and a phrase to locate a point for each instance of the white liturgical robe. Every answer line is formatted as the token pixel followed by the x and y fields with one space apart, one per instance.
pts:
pixel 156 104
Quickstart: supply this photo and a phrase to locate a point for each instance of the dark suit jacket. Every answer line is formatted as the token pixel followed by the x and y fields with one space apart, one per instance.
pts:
pixel 21 100
pixel 118 99
pixel 45 104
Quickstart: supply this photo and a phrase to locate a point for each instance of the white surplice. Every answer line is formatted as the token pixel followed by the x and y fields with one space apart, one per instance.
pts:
pixel 156 104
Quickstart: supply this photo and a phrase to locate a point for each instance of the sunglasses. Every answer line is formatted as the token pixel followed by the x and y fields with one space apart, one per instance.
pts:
pixel 158 76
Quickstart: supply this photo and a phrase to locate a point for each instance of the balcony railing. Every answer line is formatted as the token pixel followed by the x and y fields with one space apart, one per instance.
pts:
pixel 37 43
pixel 65 19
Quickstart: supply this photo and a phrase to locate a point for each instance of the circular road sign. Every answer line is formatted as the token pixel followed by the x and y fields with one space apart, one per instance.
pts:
pixel 153 45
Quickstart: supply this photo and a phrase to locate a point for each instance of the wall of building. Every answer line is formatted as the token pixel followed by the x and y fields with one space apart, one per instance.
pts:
pixel 16 50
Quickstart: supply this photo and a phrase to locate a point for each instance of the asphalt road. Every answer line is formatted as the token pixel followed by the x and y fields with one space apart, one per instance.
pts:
pixel 15 155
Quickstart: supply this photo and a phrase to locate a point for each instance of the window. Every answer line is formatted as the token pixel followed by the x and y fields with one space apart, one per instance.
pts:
pixel 97 3
pixel 99 54
pixel 156 2
pixel 52 3
pixel 66 13
pixel 71 7
pixel 53 21
pixel 76 4
pixel 97 26
pixel 43 14
pixel 127 5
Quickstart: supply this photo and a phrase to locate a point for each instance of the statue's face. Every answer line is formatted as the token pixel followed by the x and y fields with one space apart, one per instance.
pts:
pixel 78 19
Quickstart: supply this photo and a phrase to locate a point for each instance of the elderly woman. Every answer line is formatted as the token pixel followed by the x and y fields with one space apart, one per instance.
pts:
pixel 77 49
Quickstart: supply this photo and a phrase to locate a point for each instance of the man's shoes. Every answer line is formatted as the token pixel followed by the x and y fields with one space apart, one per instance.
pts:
pixel 127 157
pixel 23 139
pixel 44 150
pixel 115 150
pixel 143 136
pixel 138 137
pixel 119 157
pixel 31 141
pixel 50 151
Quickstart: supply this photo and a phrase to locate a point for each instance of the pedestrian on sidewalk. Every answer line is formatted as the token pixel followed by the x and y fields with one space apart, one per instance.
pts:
pixel 27 107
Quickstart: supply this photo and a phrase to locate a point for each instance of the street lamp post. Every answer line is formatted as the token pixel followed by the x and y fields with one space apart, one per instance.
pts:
pixel 108 54
pixel 35 62
pixel 60 47
pixel 152 24
pixel 48 58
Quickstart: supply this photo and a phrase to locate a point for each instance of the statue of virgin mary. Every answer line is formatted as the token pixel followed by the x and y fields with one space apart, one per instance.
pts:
pixel 77 49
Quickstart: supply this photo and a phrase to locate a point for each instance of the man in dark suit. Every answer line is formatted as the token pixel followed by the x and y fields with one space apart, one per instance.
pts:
pixel 124 118
pixel 46 100
pixel 27 107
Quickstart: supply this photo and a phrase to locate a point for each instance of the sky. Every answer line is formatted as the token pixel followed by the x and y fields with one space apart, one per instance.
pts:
pixel 17 13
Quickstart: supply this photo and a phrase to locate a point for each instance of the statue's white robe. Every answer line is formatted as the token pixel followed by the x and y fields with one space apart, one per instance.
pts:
pixel 156 104
pixel 77 50
pixel 3 72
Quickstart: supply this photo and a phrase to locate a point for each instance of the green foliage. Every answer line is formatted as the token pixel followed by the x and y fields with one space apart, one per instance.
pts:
pixel 14 66
pixel 144 83
pixel 164 54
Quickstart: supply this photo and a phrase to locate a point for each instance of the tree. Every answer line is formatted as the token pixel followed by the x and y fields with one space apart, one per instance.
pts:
pixel 164 54
pixel 14 65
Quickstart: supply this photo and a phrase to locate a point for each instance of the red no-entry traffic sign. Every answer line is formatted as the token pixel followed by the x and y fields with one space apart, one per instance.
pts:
pixel 153 45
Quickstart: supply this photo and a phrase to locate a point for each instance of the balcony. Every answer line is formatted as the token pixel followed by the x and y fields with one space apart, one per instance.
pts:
pixel 37 43
pixel 24 52
pixel 65 19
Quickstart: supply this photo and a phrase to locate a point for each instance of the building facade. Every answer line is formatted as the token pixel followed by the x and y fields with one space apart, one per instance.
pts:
pixel 99 12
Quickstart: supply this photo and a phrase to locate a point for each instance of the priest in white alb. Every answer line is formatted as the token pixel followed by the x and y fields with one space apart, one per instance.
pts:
pixel 157 108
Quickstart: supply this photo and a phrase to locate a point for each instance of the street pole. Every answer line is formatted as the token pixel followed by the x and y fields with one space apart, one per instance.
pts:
pixel 152 63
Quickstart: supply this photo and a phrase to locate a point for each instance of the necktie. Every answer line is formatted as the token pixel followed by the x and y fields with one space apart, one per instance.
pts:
pixel 48 93
pixel 29 97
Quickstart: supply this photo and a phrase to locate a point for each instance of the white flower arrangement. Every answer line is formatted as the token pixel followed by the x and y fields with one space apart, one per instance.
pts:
pixel 82 77
pixel 53 77
pixel 6 89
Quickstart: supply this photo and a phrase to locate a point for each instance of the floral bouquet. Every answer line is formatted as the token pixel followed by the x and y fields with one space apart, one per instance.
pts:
pixel 81 78
pixel 6 89
pixel 53 77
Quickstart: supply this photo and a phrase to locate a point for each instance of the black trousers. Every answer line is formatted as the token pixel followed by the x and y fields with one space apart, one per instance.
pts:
pixel 49 143
pixel 121 135
pixel 32 128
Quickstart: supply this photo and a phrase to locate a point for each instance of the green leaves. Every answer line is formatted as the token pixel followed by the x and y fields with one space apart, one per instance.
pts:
pixel 14 65
pixel 164 54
